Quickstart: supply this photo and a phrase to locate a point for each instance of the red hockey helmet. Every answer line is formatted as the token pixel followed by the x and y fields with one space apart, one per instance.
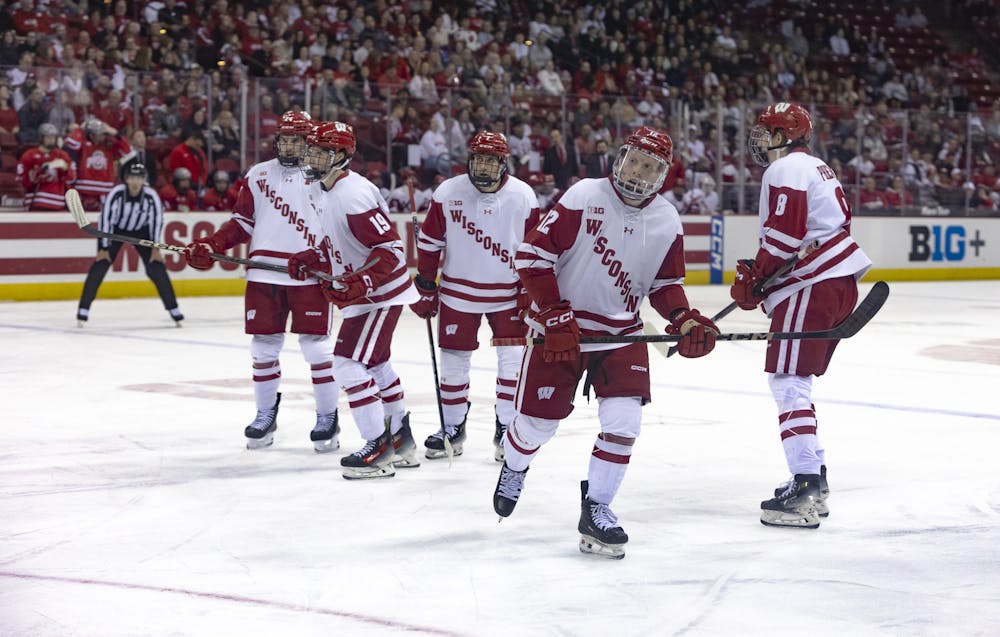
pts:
pixel 487 163
pixel 488 143
pixel 642 163
pixel 289 142
pixel 295 123
pixel 329 146
pixel 791 119
pixel 335 136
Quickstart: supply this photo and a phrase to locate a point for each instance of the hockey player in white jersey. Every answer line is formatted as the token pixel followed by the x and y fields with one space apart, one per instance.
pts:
pixel 355 230
pixel 801 203
pixel 608 244
pixel 274 215
pixel 478 219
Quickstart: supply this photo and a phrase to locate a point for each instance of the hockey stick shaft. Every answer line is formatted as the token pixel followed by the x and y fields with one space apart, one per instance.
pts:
pixel 850 326
pixel 758 289
pixel 75 207
pixel 430 340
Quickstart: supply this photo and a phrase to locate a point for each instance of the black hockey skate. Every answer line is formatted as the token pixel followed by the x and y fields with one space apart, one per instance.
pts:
pixel 404 446
pixel 260 432
pixel 325 435
pixel 456 437
pixel 175 314
pixel 374 460
pixel 82 315
pixel 794 507
pixel 599 530
pixel 508 490
pixel 498 435
pixel 824 491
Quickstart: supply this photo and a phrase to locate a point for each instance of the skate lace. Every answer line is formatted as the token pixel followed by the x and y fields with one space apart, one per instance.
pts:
pixel 511 483
pixel 264 419
pixel 602 516
pixel 451 431
pixel 369 447
pixel 787 487
pixel 325 422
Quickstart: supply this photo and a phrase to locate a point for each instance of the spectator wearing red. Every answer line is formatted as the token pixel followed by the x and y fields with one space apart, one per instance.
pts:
pixel 45 172
pixel 190 154
pixel 896 195
pixel 179 196
pixel 9 122
pixel 222 195
pixel 97 150
pixel 870 197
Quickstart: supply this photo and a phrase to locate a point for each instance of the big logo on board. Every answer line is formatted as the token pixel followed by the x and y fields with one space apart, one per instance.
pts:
pixel 942 243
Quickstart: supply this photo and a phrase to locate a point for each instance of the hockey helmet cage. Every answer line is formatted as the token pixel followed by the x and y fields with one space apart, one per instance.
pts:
pixel 339 142
pixel 633 174
pixel 485 173
pixel 289 141
pixel 792 119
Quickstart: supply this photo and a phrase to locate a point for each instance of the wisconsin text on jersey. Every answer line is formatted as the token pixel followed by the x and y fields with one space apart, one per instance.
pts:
pixel 489 243
pixel 292 216
pixel 622 279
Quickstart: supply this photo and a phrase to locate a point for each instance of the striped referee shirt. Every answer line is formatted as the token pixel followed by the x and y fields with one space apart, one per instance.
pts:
pixel 124 214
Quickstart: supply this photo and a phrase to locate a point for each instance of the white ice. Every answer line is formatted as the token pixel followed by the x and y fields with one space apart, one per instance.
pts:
pixel 129 505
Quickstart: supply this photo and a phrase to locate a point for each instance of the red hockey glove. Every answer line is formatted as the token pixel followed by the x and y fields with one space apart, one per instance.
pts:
pixel 523 302
pixel 427 306
pixel 698 333
pixel 302 263
pixel 742 289
pixel 198 254
pixel 352 289
pixel 562 334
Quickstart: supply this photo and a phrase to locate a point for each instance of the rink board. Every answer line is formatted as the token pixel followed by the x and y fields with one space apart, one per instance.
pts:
pixel 46 256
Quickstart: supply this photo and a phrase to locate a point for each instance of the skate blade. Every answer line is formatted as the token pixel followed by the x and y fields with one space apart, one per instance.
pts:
pixel 592 546
pixel 822 510
pixel 81 323
pixel 436 454
pixel 801 518
pixel 326 446
pixel 406 461
pixel 260 443
pixel 369 473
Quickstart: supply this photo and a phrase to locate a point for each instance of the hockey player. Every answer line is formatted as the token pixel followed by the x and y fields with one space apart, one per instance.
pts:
pixel 45 172
pixel 96 149
pixel 588 265
pixel 801 202
pixel 274 215
pixel 131 209
pixel 478 219
pixel 355 230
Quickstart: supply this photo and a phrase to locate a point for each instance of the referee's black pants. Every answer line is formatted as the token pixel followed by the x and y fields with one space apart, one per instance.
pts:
pixel 155 270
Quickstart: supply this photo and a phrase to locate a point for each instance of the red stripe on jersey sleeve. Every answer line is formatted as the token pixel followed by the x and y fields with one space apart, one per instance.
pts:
pixel 244 204
pixel 554 234
pixel 433 227
pixel 372 227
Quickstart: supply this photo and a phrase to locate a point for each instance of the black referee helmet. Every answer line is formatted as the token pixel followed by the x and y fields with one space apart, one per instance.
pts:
pixel 136 169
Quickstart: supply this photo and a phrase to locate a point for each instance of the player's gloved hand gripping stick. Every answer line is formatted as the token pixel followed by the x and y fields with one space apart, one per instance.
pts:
pixel 80 216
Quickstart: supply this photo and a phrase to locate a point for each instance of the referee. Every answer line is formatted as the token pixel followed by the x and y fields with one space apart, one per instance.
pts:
pixel 132 209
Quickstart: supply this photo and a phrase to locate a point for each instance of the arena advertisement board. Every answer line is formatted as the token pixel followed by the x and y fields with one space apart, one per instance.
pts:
pixel 44 255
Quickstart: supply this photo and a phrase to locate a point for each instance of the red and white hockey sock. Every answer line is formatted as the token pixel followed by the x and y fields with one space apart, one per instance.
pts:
pixel 325 388
pixel 798 437
pixel 366 407
pixel 391 391
pixel 608 463
pixel 505 400
pixel 266 378
pixel 517 451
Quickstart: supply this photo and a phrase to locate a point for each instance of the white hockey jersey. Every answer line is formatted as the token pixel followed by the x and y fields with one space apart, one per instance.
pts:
pixel 606 256
pixel 273 208
pixel 801 201
pixel 354 220
pixel 482 232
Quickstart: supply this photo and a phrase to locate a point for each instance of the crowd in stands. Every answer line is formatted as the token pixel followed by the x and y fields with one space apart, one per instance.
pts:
pixel 907 114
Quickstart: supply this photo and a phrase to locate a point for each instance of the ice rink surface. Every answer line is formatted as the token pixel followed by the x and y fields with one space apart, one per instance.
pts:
pixel 129 505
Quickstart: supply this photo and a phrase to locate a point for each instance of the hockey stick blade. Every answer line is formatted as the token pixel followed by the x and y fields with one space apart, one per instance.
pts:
pixel 80 217
pixel 850 326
